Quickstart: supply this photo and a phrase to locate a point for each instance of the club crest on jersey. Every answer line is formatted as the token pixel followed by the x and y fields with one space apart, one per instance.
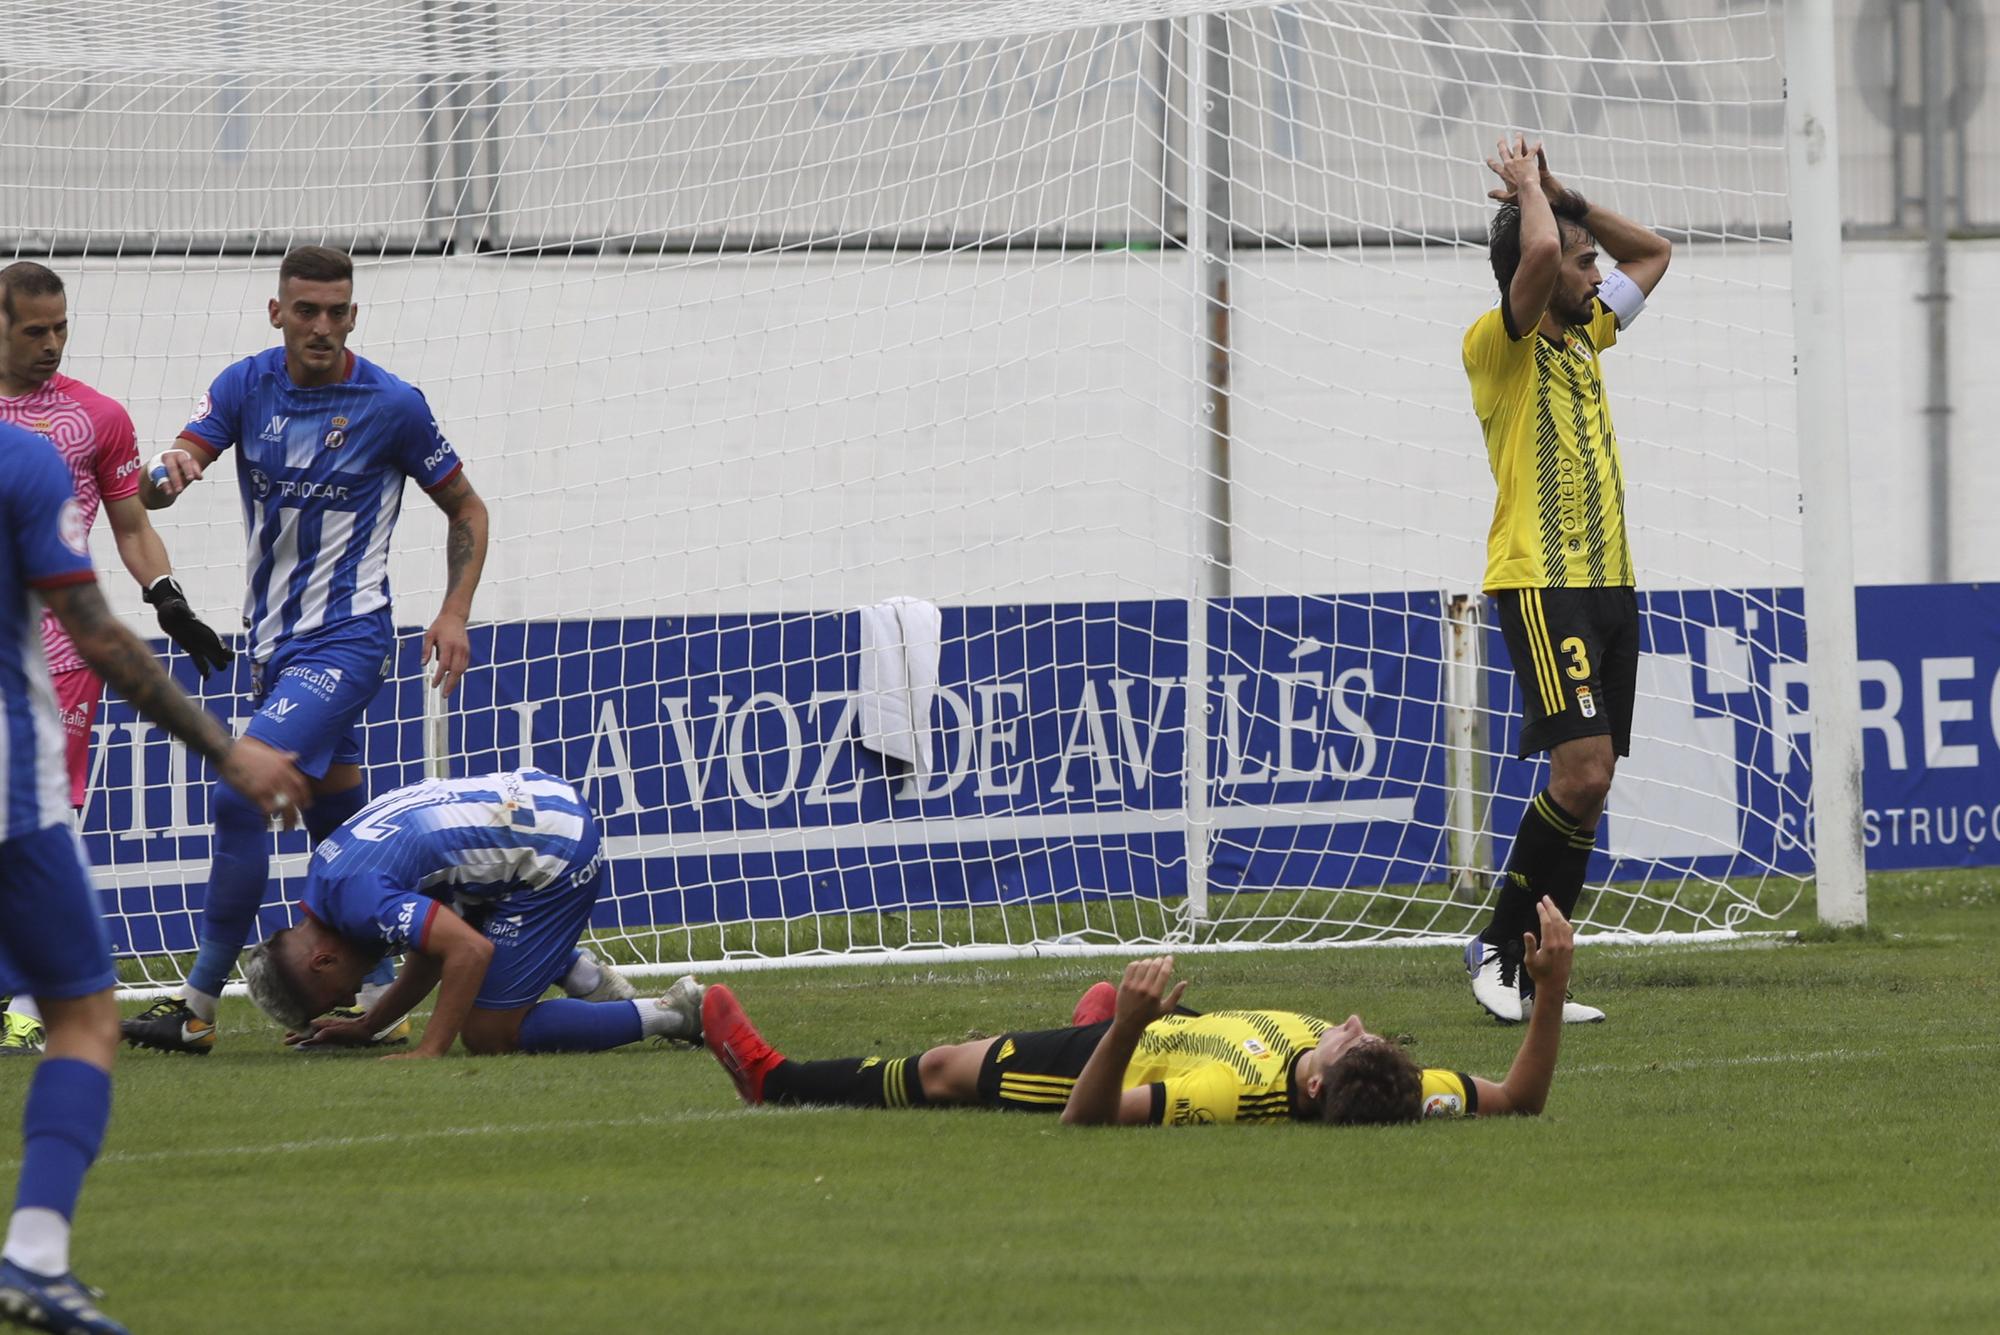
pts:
pixel 1442 1105
pixel 275 430
pixel 1586 703
pixel 73 528
pixel 335 439
pixel 260 483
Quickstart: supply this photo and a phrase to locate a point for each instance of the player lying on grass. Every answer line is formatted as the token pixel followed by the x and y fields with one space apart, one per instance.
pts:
pixel 487 883
pixel 1149 1065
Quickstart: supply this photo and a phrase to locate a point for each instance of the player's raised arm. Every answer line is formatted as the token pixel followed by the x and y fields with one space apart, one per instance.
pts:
pixel 1526 1088
pixel 265 776
pixel 1519 168
pixel 464 558
pixel 1099 1097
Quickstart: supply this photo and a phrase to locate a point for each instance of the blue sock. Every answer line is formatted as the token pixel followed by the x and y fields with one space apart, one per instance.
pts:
pixel 238 873
pixel 62 1126
pixel 567 1025
pixel 330 811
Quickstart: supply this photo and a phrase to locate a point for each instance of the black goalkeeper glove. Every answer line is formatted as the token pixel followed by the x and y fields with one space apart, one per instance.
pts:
pixel 186 629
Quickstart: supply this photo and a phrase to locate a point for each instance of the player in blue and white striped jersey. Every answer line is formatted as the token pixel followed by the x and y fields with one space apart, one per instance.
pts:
pixel 486 883
pixel 324 442
pixel 53 945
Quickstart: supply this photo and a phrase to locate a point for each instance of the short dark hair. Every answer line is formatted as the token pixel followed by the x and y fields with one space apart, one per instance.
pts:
pixel 1503 238
pixel 1372 1084
pixel 30 280
pixel 316 264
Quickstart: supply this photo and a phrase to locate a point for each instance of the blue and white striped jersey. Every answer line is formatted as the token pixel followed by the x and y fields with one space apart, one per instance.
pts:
pixel 44 543
pixel 321 476
pixel 492 841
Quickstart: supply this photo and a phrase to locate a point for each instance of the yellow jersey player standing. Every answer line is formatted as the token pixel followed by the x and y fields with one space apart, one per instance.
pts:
pixel 1558 564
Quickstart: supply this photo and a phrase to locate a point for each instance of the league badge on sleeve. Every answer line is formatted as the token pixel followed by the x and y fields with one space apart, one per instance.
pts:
pixel 73 528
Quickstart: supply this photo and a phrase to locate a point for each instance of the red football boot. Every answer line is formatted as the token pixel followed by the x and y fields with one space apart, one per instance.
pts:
pixel 1097 1004
pixel 736 1043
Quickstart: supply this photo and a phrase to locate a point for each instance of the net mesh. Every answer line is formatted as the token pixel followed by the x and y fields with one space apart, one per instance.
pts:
pixel 1124 336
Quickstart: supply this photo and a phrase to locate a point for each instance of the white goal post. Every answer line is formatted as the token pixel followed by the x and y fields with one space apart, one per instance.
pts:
pixel 1075 387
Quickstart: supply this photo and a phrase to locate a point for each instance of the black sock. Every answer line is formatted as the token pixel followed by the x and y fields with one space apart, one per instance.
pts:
pixel 847 1082
pixel 1537 866
pixel 1567 888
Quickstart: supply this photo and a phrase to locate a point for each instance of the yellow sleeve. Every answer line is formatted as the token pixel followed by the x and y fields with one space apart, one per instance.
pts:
pixel 1200 1097
pixel 1603 326
pixel 1449 1094
pixel 1489 355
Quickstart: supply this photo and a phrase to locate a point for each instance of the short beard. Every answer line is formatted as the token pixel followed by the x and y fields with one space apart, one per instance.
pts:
pixel 1575 317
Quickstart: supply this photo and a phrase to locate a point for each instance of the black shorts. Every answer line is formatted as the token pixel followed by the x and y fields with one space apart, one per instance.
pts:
pixel 1035 1071
pixel 1576 657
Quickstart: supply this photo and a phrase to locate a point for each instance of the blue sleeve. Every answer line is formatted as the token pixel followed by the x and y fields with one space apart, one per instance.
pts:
pixel 373 907
pixel 216 417
pixel 422 452
pixel 45 522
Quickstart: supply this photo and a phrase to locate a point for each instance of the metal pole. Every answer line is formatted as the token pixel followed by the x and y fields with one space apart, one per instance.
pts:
pixel 1937 289
pixel 1209 221
pixel 1470 845
pixel 1819 342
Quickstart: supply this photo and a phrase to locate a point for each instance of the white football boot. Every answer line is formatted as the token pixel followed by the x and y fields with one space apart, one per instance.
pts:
pixel 613 985
pixel 1496 981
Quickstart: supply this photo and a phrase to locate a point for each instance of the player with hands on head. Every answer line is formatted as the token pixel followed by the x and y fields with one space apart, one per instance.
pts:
pixel 53 944
pixel 325 441
pixel 95 438
pixel 1558 563
pixel 488 884
pixel 1152 1062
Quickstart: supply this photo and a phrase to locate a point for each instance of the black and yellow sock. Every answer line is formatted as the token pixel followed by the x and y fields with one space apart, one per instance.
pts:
pixel 1537 866
pixel 847 1082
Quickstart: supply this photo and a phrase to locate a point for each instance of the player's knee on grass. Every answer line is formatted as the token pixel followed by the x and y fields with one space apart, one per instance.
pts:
pixel 950 1074
pixel 493 1033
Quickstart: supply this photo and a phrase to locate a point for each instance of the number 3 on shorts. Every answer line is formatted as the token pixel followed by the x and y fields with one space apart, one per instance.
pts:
pixel 1579 659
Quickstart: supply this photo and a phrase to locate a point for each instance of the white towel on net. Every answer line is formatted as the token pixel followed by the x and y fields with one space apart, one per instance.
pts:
pixel 900 642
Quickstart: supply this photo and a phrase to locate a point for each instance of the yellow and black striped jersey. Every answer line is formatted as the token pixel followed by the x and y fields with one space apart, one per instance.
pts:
pixel 1559 517
pixel 1237 1066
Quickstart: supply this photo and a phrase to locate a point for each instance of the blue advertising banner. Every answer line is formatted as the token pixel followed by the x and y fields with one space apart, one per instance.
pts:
pixel 723 755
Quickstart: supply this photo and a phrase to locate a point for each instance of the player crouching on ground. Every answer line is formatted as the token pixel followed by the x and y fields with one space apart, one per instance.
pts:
pixel 517 856
pixel 1150 1064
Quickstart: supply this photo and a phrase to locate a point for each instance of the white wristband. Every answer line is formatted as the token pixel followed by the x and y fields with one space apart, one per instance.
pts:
pixel 1625 298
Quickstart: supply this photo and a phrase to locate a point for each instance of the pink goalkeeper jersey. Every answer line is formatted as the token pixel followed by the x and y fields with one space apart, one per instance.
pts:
pixel 95 438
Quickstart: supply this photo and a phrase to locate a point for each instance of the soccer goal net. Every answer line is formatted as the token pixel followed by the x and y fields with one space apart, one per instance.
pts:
pixel 989 477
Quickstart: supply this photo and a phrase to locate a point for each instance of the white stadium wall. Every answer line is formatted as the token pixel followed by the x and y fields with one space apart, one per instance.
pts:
pixel 799 439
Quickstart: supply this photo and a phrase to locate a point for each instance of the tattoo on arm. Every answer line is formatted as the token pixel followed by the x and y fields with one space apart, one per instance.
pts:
pixel 459 546
pixel 465 537
pixel 122 659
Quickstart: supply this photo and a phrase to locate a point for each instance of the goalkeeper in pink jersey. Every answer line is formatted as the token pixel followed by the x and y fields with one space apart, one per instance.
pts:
pixel 94 436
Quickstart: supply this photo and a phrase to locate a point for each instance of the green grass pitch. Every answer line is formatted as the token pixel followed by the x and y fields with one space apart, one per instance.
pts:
pixel 1772 1137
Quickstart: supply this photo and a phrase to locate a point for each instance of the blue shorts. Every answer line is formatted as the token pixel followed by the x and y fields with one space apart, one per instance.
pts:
pixel 534 938
pixel 311 692
pixel 53 945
